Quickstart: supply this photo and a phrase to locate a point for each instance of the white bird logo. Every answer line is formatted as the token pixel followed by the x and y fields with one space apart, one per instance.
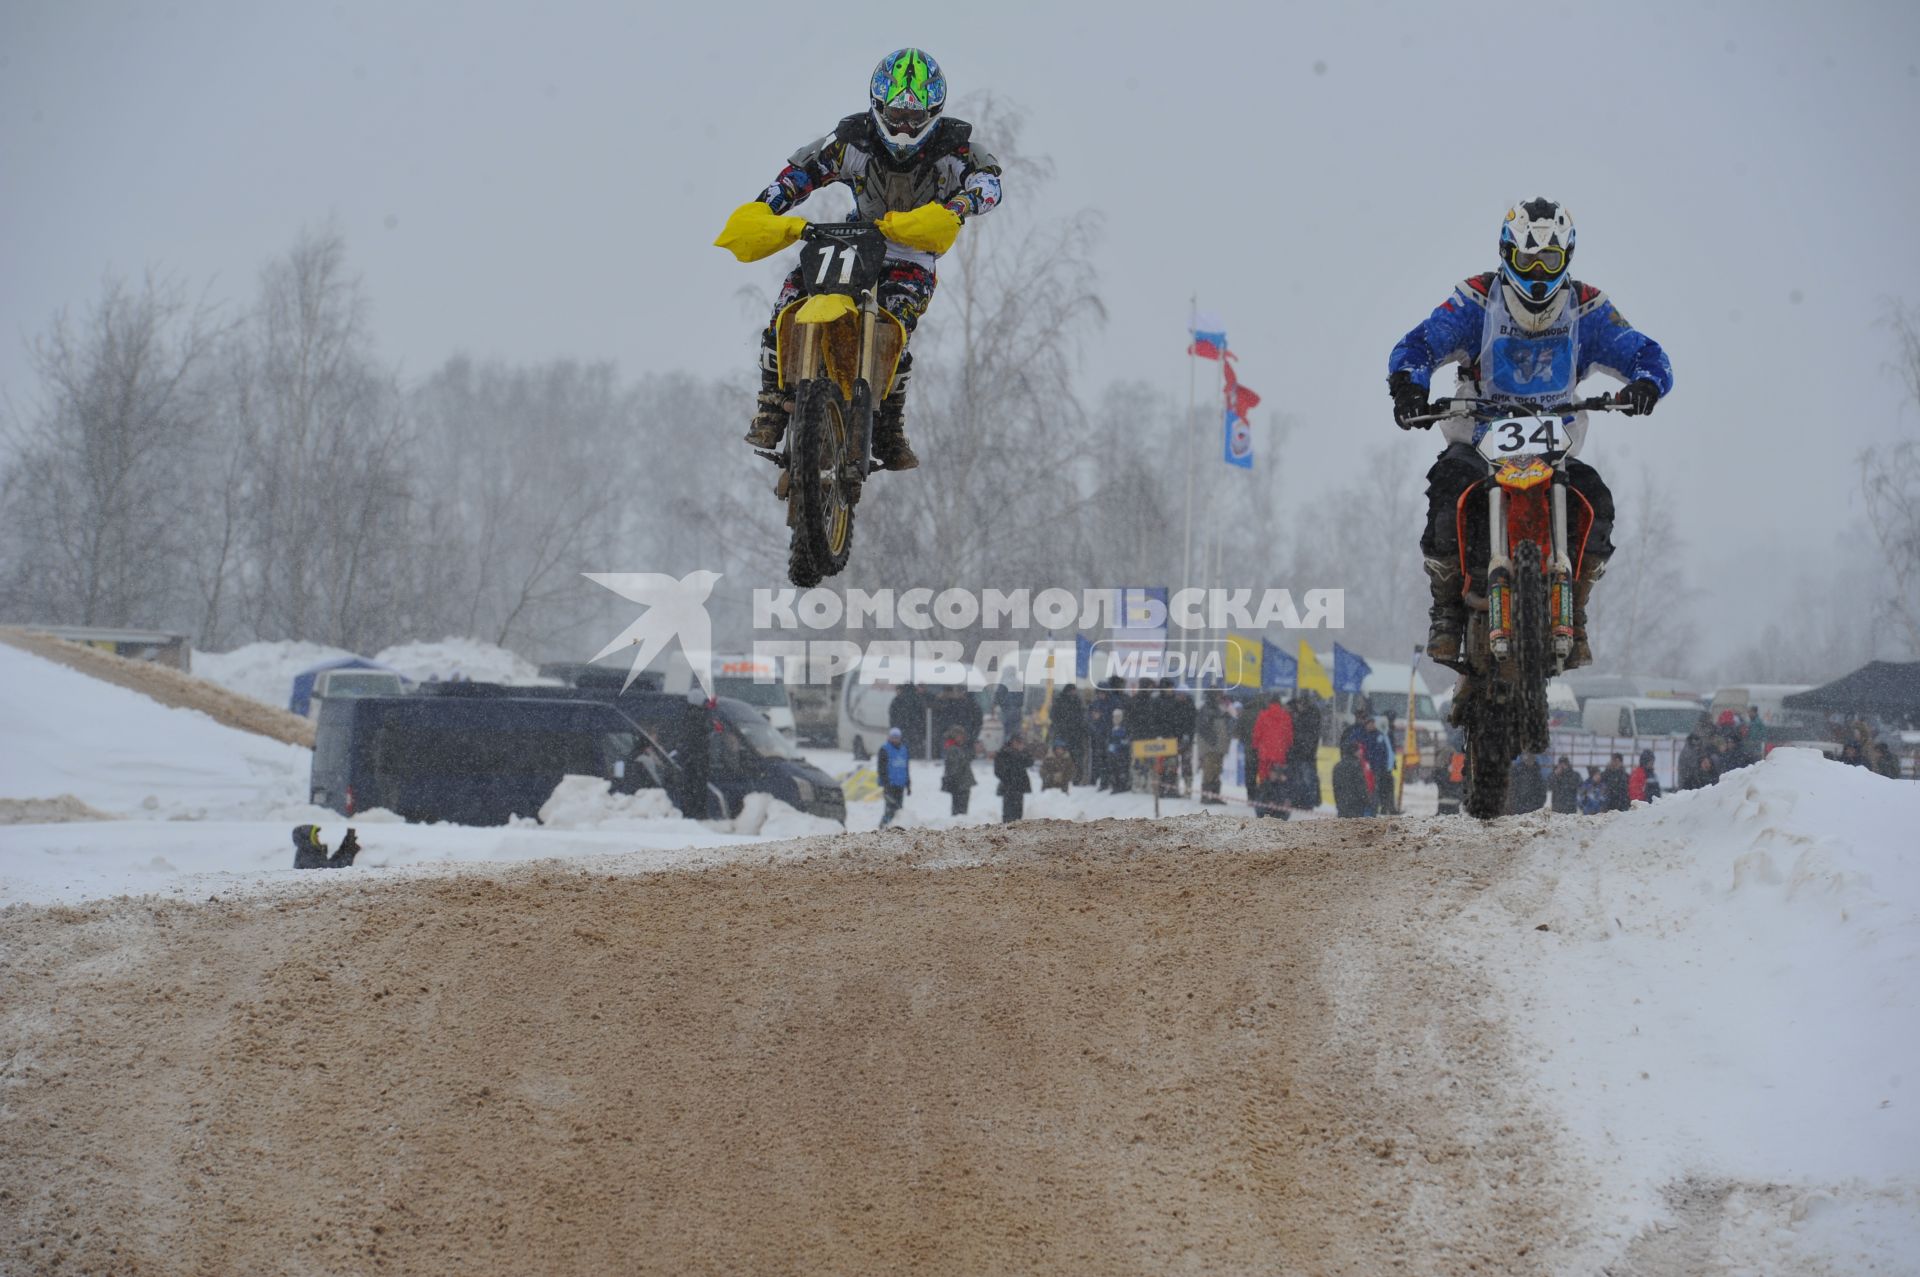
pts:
pixel 675 609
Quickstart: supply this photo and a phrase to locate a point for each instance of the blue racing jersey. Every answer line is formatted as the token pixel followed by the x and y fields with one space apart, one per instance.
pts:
pixel 1456 333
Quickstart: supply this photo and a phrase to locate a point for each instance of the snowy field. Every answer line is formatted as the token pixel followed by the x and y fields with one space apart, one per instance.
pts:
pixel 1714 997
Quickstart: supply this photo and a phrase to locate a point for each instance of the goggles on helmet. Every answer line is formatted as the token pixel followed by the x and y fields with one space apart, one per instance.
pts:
pixel 1538 263
pixel 901 118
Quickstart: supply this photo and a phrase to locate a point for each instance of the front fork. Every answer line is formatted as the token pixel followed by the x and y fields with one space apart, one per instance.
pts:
pixel 1560 575
pixel 1500 576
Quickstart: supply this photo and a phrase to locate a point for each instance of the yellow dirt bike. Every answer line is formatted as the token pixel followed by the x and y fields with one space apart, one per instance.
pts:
pixel 838 352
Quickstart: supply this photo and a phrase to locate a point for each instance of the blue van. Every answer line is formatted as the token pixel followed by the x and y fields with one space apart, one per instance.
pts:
pixel 473 760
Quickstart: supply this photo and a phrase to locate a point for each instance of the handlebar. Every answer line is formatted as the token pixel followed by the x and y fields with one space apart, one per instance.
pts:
pixel 1494 409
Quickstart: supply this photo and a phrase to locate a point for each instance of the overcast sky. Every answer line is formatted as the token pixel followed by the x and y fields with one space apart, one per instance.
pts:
pixel 532 184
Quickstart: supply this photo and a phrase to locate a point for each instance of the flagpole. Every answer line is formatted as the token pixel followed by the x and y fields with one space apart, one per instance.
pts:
pixel 1193 391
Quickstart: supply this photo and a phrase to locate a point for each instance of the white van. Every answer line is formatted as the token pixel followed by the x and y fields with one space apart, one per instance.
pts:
pixel 343 683
pixel 753 679
pixel 1639 716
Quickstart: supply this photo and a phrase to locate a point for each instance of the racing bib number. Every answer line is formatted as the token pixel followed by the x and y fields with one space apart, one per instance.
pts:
pixel 1522 437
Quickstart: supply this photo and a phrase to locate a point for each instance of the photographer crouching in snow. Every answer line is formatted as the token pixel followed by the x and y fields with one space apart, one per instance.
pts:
pixel 309 852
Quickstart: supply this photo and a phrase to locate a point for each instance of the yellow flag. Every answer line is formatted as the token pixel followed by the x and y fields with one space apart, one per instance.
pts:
pixel 1313 675
pixel 1243 661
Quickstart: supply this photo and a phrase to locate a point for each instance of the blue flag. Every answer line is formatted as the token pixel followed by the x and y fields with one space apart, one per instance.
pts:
pixel 1349 671
pixel 1237 442
pixel 1082 656
pixel 1278 671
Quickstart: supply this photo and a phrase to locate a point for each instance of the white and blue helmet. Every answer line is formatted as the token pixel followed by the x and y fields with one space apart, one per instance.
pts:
pixel 908 95
pixel 1536 254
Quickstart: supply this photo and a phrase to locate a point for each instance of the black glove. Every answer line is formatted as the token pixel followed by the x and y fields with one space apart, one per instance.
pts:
pixel 1409 401
pixel 349 848
pixel 1641 396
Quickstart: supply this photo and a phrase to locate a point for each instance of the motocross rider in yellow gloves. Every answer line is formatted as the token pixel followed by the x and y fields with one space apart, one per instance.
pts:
pixel 914 171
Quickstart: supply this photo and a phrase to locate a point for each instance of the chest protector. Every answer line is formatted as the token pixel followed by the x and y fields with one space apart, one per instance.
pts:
pixel 1539 368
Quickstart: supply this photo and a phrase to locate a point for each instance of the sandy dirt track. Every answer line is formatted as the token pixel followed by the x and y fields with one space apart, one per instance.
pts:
pixel 1121 1047
pixel 168 686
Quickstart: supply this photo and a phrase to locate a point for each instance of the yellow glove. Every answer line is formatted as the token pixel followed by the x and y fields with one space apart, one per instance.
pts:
pixel 754 231
pixel 932 228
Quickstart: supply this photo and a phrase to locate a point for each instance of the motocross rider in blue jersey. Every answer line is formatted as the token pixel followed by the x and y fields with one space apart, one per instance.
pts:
pixel 1529 332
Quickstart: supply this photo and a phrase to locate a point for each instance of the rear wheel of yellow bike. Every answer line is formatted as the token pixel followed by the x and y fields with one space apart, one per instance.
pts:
pixel 819 449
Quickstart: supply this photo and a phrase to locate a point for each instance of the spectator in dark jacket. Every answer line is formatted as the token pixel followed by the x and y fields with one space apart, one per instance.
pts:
pixel 1182 720
pixel 1564 784
pixel 908 715
pixel 1884 761
pixel 695 757
pixel 1352 790
pixel 1067 721
pixel 309 852
pixel 949 708
pixel 1010 769
pixel 1614 781
pixel 1526 788
pixel 1379 761
pixel 1213 727
pixel 1303 763
pixel 1250 708
pixel 957 777
pixel 1687 770
pixel 1118 757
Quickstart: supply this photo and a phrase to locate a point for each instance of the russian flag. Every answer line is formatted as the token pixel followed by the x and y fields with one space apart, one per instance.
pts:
pixel 1209 336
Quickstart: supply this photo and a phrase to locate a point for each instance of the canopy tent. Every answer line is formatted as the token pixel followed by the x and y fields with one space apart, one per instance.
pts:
pixel 1884 689
pixel 302 697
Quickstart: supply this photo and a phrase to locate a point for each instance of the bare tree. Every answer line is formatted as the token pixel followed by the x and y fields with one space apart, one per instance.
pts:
pixel 530 466
pixel 96 496
pixel 328 496
pixel 1641 617
pixel 1890 482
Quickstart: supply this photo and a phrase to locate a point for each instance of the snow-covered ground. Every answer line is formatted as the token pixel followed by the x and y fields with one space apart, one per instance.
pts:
pixel 1716 994
pixel 1724 1002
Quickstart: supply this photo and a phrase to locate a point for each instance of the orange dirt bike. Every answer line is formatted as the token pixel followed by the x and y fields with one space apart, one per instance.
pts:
pixel 838 352
pixel 1522 532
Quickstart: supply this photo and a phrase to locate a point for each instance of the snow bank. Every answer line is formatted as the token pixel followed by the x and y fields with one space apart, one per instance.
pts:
pixel 465 658
pixel 65 734
pixel 263 671
pixel 588 802
pixel 1722 993
pixel 767 817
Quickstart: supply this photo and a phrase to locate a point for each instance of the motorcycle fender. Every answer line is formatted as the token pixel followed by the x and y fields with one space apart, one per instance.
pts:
pixel 1519 476
pixel 824 308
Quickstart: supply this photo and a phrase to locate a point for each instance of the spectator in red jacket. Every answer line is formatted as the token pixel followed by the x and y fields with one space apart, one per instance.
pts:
pixel 1643 786
pixel 1272 740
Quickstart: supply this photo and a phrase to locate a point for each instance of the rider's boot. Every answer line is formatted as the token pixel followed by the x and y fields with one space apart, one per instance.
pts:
pixel 772 408
pixel 1591 570
pixel 1447 619
pixel 890 448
